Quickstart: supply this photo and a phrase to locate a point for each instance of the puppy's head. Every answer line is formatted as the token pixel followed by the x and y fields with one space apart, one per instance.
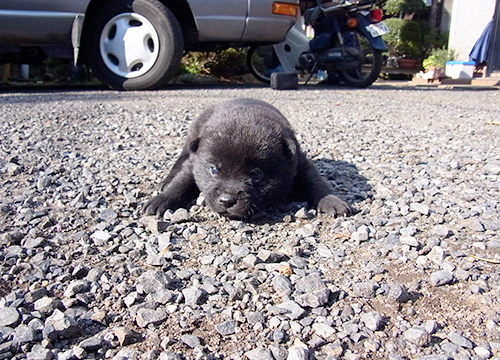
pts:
pixel 244 167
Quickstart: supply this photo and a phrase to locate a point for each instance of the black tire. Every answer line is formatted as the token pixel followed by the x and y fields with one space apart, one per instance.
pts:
pixel 371 62
pixel 156 48
pixel 262 62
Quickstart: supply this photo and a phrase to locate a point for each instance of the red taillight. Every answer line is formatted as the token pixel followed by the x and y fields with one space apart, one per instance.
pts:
pixel 376 15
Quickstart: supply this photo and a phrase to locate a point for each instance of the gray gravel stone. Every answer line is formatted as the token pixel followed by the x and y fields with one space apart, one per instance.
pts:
pixel 152 281
pixel 24 334
pixel 101 236
pixel 436 255
pixel 92 344
pixel 475 225
pixel 268 256
pixel 145 317
pixel 47 305
pixel 239 251
pixel 482 352
pixel 256 317
pixel 282 285
pixel 323 330
pixel 310 282
pixel 259 354
pixel 39 353
pixel 313 299
pixel 194 295
pixel 191 340
pixel 419 207
pixel 372 320
pixel 180 215
pixel 77 287
pixel 107 215
pixel 433 357
pixel 492 168
pixel 417 336
pixel 66 326
pixel 460 340
pixel 430 326
pixel 226 328
pixel 279 352
pixel 126 353
pixel 297 353
pixel 440 277
pixel 292 310
pixel 8 316
pixel 364 289
pixel 409 240
pixel 399 293
pixel 169 355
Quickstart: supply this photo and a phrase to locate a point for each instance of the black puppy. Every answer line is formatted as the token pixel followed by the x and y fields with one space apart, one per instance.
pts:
pixel 243 156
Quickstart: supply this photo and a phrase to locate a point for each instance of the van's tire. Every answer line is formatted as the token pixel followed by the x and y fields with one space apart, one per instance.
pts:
pixel 133 44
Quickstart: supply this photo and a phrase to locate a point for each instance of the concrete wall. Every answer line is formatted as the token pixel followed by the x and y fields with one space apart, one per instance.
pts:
pixel 468 20
pixel 446 17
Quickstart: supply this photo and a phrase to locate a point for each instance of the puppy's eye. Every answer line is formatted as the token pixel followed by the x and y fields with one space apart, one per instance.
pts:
pixel 256 174
pixel 214 171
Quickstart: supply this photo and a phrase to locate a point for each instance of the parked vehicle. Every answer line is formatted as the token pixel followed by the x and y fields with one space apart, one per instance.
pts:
pixel 347 44
pixel 136 44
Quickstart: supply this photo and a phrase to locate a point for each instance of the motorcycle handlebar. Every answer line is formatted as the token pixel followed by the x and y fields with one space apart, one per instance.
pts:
pixel 312 14
pixel 335 5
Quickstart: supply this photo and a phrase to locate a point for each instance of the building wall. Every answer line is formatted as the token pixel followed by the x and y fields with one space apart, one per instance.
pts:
pixel 468 20
pixel 446 17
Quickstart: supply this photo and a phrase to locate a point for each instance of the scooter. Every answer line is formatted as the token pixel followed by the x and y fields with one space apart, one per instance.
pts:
pixel 347 45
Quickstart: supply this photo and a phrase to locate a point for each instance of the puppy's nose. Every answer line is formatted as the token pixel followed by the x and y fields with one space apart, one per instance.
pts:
pixel 227 200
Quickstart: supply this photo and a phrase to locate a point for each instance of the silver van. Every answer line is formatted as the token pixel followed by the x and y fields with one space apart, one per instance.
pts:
pixel 136 44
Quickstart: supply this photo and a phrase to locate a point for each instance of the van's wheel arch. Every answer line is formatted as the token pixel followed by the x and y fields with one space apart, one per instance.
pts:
pixel 133 44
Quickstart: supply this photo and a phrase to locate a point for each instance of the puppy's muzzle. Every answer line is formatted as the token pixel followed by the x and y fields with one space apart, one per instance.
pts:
pixel 227 200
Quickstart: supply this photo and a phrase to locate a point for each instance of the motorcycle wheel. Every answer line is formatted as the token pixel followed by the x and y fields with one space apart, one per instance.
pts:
pixel 371 62
pixel 262 62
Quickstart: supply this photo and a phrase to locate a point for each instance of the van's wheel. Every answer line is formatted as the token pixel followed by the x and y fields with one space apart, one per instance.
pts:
pixel 134 44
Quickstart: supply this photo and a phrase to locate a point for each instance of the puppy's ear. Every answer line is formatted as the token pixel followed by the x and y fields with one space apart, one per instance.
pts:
pixel 193 146
pixel 289 145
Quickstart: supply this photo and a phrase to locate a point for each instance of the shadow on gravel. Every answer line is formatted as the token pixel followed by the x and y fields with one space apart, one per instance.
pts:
pixel 347 182
pixel 345 178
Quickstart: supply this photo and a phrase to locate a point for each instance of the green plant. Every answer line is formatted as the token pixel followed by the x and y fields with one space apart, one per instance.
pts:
pixel 432 38
pixel 405 37
pixel 439 57
pixel 393 37
pixel 403 7
pixel 225 63
pixel 191 64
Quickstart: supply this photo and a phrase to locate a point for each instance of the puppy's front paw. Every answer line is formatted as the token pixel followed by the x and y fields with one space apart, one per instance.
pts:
pixel 157 205
pixel 332 205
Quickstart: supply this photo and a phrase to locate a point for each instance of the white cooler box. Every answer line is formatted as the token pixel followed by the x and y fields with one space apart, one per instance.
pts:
pixel 460 69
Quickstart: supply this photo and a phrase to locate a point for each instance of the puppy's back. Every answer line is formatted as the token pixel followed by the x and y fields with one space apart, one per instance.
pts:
pixel 241 110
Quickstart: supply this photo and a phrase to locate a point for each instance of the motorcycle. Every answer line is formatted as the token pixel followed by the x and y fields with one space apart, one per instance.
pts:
pixel 347 45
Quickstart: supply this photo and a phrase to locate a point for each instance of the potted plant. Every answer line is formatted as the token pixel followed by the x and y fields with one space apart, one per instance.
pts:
pixel 436 61
pixel 405 41
pixel 403 8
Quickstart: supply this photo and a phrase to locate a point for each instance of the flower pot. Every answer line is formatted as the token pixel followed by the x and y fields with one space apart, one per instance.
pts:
pixel 407 63
pixel 433 72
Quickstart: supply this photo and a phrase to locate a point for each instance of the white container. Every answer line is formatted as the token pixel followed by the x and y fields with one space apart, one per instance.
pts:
pixel 460 69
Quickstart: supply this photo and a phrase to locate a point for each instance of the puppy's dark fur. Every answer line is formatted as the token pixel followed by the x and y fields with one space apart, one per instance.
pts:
pixel 243 156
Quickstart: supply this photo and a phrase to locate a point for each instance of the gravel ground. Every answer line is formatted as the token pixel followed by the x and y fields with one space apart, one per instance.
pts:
pixel 414 274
